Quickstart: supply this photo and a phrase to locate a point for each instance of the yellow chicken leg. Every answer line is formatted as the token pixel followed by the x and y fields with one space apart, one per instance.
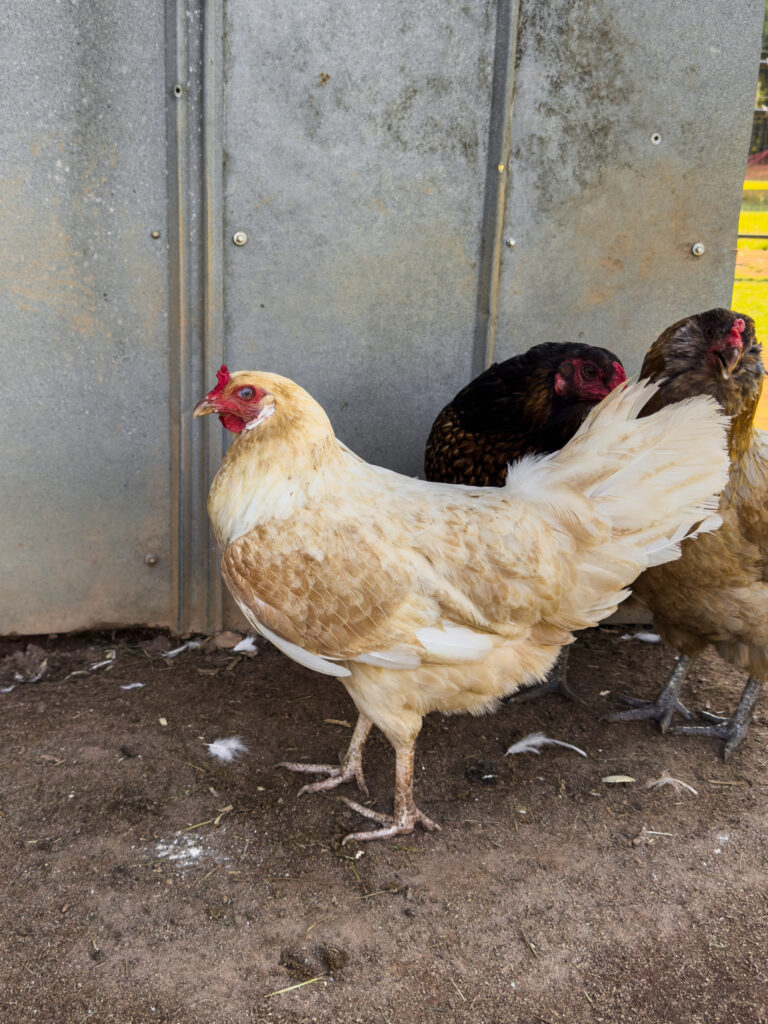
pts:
pixel 350 769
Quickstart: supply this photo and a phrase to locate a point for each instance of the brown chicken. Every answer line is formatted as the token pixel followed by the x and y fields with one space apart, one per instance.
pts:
pixel 717 593
pixel 427 597
pixel 530 404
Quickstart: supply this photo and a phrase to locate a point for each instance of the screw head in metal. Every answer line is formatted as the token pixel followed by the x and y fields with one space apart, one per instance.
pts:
pixel 510 243
pixel 698 249
pixel 239 238
pixel 151 560
pixel 656 139
pixel 154 233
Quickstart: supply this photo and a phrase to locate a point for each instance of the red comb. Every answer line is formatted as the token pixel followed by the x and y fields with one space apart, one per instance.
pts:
pixel 222 376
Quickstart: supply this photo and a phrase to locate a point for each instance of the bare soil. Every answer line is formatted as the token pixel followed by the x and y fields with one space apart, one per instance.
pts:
pixel 143 881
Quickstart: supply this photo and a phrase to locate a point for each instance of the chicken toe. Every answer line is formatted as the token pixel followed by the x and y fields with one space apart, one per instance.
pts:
pixel 666 704
pixel 350 769
pixel 556 682
pixel 733 729
pixel 406 814
pixel 395 825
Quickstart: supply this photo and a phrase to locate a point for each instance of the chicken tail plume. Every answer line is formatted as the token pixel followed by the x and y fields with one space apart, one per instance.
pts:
pixel 652 482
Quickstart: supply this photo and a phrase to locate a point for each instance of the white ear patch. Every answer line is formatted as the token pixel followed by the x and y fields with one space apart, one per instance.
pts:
pixel 265 413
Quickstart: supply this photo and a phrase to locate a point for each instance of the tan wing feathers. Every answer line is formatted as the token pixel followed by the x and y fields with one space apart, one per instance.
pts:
pixel 348 590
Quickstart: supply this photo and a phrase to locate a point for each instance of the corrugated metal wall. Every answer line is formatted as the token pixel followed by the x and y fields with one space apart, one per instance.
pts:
pixel 378 158
pixel 85 425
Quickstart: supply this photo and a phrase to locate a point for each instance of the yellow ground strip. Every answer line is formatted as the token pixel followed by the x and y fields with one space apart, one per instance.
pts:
pixel 750 288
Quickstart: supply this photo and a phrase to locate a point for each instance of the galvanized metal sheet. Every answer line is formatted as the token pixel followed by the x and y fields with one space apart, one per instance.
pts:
pixel 630 130
pixel 376 156
pixel 84 419
pixel 356 143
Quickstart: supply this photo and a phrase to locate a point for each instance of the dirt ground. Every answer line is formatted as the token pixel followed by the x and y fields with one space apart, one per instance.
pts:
pixel 143 881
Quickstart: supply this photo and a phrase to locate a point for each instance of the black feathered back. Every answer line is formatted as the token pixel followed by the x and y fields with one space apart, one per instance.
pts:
pixel 508 411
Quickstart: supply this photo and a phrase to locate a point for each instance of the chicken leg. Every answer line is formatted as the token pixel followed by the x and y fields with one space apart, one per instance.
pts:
pixel 556 682
pixel 350 769
pixel 733 729
pixel 406 813
pixel 665 705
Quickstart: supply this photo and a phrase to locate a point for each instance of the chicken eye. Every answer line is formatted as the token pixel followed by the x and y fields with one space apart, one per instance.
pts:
pixel 588 372
pixel 246 394
pixel 709 332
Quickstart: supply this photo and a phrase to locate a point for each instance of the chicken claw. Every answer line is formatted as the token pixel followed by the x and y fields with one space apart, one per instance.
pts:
pixel 350 769
pixel 406 814
pixel 338 774
pixel 665 705
pixel 733 729
pixel 398 825
pixel 556 682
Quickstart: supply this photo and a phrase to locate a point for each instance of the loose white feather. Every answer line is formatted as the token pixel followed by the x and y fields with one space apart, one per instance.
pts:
pixel 227 749
pixel 665 779
pixel 643 636
pixel 190 645
pixel 246 646
pixel 531 743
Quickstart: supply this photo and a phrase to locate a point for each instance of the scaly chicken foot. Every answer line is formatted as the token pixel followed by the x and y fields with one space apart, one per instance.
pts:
pixel 406 814
pixel 733 729
pixel 556 682
pixel 665 705
pixel 350 769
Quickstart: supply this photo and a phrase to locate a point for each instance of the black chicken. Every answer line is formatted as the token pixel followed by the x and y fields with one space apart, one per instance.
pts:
pixel 530 404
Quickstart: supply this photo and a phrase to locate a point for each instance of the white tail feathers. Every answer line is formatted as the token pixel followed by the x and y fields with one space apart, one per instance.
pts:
pixel 652 482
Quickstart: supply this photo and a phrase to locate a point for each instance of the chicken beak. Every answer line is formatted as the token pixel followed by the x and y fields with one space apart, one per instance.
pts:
pixel 204 408
pixel 729 360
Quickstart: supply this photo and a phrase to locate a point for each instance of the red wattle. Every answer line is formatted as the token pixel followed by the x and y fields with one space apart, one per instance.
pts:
pixel 233 423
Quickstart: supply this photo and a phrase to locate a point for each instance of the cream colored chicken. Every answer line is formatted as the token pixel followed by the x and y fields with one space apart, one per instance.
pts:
pixel 427 597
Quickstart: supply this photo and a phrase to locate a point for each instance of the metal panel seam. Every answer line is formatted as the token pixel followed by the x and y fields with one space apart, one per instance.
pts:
pixel 176 130
pixel 187 251
pixel 213 282
pixel 497 175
